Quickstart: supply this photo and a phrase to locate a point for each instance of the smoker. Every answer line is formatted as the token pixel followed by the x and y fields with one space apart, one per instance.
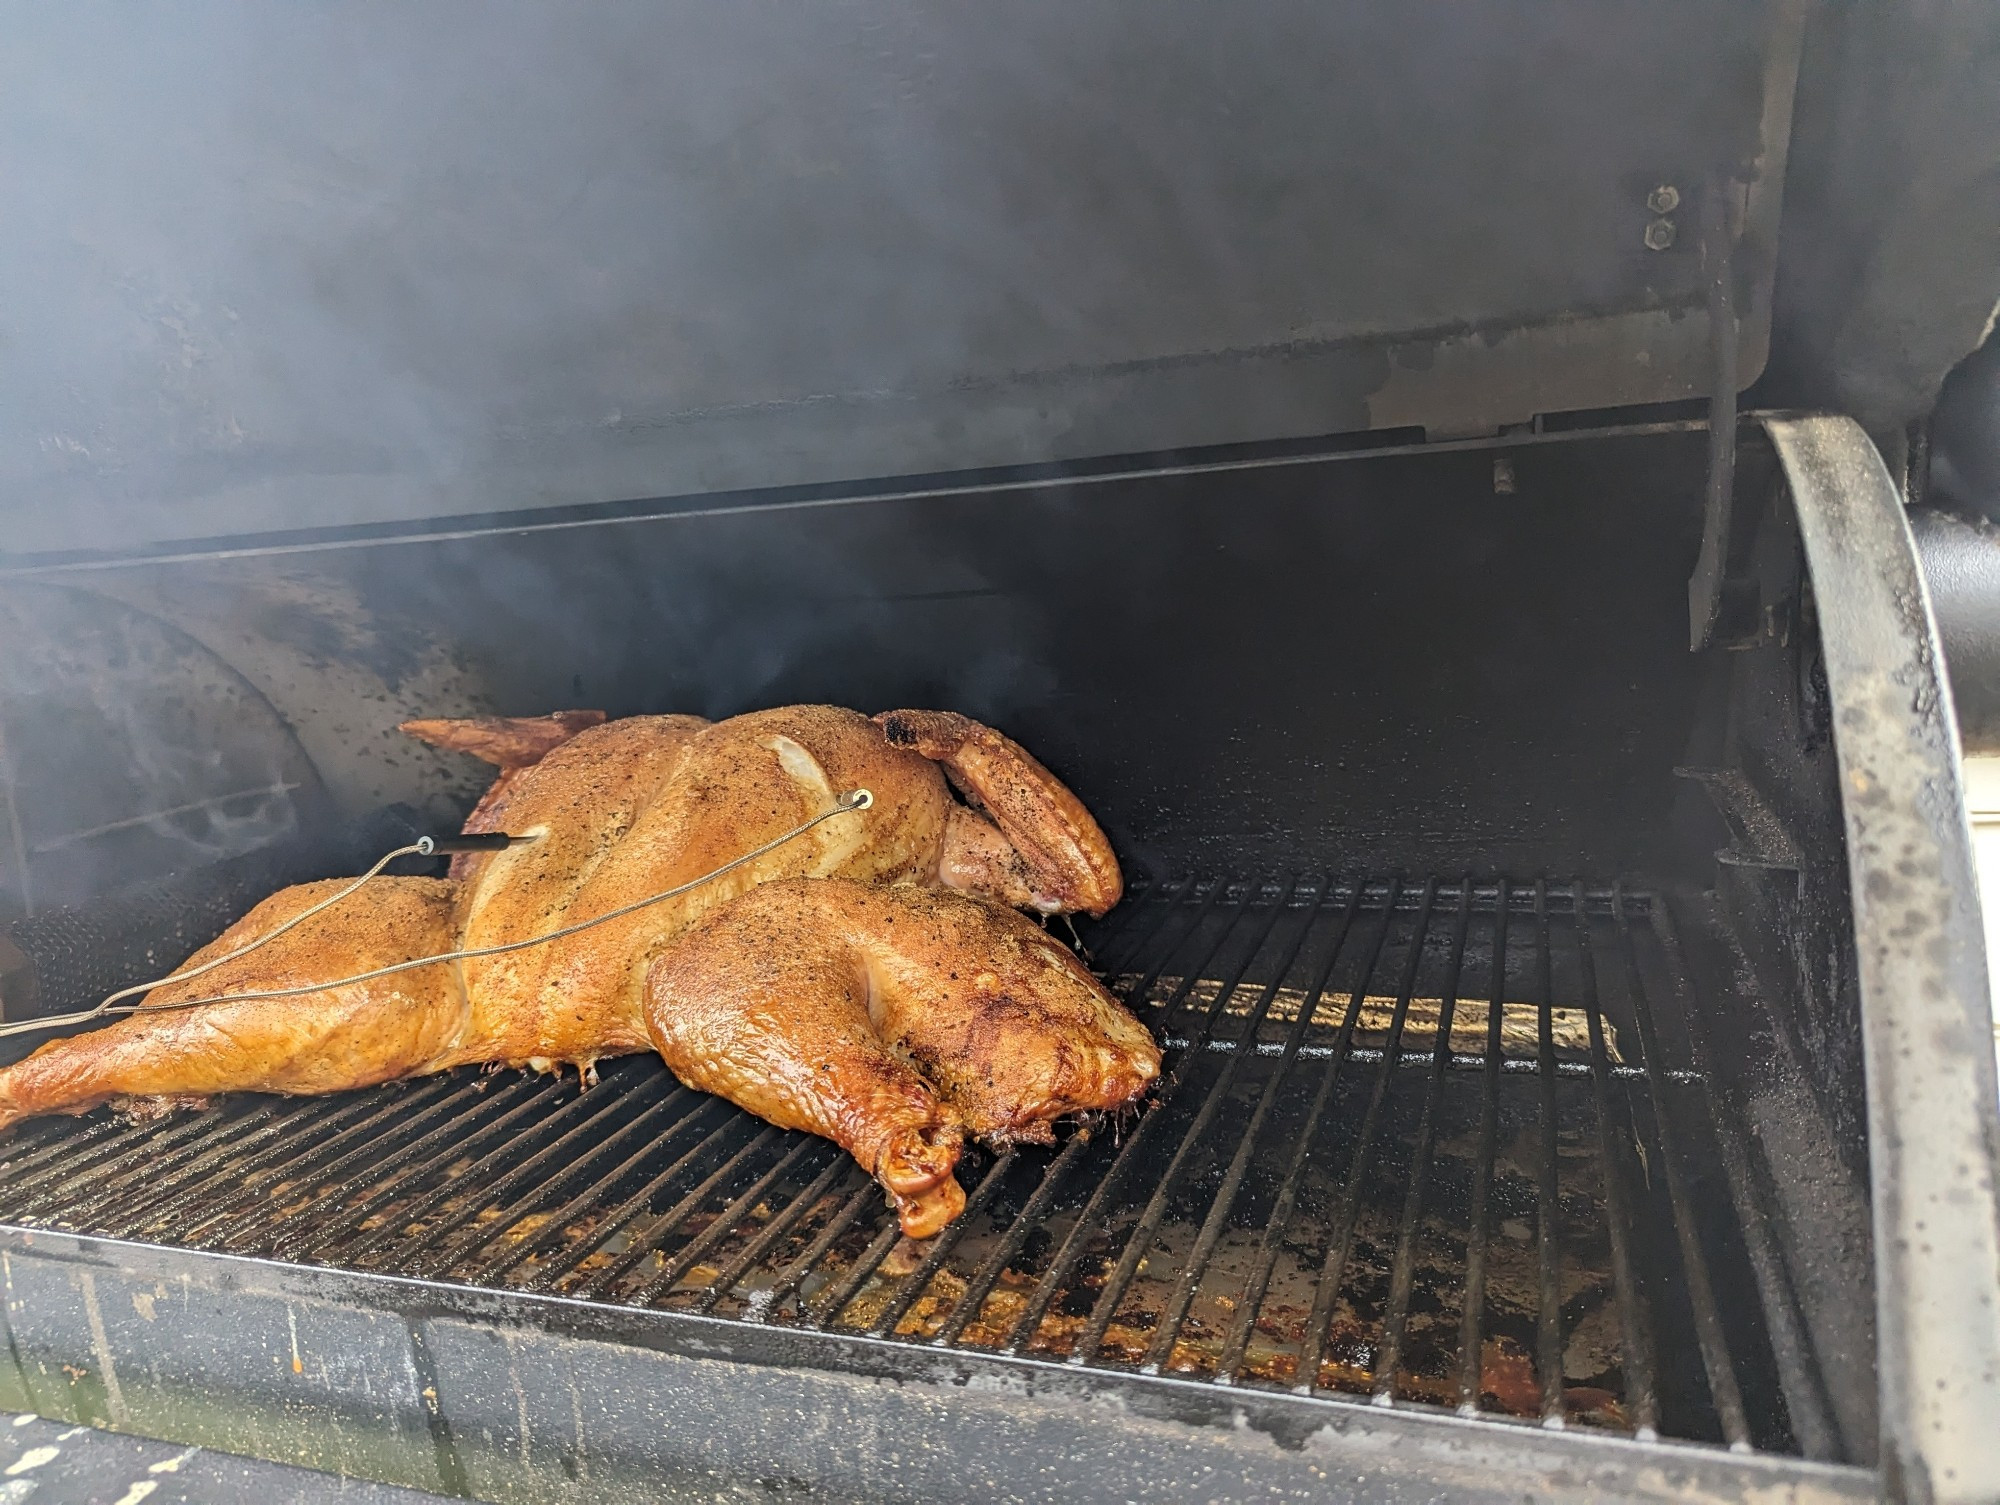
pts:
pixel 1433 479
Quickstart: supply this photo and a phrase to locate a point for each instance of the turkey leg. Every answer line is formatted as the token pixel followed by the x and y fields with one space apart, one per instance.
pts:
pixel 892 1020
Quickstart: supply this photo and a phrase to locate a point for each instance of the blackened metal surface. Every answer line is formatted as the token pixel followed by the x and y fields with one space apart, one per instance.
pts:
pixel 1363 658
pixel 437 262
pixel 1888 274
pixel 1705 585
pixel 1961 564
pixel 1779 932
pixel 1925 1008
pixel 1963 439
pixel 129 750
pixel 1512 1212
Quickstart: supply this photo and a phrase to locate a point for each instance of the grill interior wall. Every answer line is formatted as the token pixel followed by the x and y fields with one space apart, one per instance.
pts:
pixel 1373 661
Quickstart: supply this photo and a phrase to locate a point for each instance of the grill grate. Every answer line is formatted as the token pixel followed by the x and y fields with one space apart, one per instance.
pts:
pixel 1360 1176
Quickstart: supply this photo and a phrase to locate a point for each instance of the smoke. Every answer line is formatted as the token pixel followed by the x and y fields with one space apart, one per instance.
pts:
pixel 128 752
pixel 300 266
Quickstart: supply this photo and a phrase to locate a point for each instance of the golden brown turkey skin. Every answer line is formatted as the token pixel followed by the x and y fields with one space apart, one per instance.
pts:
pixel 893 1021
pixel 510 743
pixel 624 810
pixel 637 806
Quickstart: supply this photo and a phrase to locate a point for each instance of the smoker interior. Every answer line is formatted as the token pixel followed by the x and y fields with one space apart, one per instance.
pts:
pixel 1384 738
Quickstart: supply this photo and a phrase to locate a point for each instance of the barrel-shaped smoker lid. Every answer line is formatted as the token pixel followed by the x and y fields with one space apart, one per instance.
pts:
pixel 306 264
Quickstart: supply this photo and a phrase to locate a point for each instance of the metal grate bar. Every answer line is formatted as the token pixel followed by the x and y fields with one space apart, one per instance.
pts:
pixel 404 1137
pixel 1341 1243
pixel 801 1268
pixel 1806 1402
pixel 1709 1332
pixel 943 1244
pixel 1336 1200
pixel 1138 994
pixel 747 1258
pixel 1472 1308
pixel 197 1213
pixel 1640 1390
pixel 191 1140
pixel 674 1216
pixel 550 1230
pixel 227 1157
pixel 475 1235
pixel 1548 1253
pixel 55 1148
pixel 421 1252
pixel 1122 936
pixel 399 1128
pixel 1237 1344
pixel 1029 1321
pixel 1232 1181
pixel 675 1270
pixel 525 1094
pixel 393 1232
pixel 1402 1276
pixel 1206 1032
pixel 101 1142
pixel 1029 1219
pixel 1087 1222
pixel 663 1226
pixel 1140 1242
pixel 833 1299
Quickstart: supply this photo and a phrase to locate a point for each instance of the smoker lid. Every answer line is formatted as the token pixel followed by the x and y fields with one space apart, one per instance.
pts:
pixel 271 266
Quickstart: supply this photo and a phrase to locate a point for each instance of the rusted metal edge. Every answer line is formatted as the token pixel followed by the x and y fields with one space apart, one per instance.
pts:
pixel 1933 1113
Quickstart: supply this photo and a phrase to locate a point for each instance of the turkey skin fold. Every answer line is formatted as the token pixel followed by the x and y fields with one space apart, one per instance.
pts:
pixel 873 980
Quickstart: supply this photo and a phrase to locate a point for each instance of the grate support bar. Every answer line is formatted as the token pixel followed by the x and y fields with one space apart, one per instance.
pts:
pixel 1642 1392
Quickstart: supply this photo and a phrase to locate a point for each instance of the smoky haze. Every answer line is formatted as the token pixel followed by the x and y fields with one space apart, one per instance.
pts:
pixel 280 266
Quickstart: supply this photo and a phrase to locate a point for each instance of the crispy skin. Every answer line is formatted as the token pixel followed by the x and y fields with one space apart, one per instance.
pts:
pixel 510 743
pixel 893 1021
pixel 641 805
pixel 623 810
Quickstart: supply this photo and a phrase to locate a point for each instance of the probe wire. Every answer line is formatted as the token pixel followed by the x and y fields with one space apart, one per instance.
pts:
pixel 847 804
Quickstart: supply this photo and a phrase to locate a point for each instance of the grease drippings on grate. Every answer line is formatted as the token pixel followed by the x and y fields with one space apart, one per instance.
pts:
pixel 1332 1191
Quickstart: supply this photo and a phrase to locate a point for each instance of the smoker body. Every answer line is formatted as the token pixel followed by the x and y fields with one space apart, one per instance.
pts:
pixel 1520 705
pixel 1356 603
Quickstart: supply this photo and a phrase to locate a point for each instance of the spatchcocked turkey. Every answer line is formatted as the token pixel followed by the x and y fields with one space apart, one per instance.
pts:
pixel 871 980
